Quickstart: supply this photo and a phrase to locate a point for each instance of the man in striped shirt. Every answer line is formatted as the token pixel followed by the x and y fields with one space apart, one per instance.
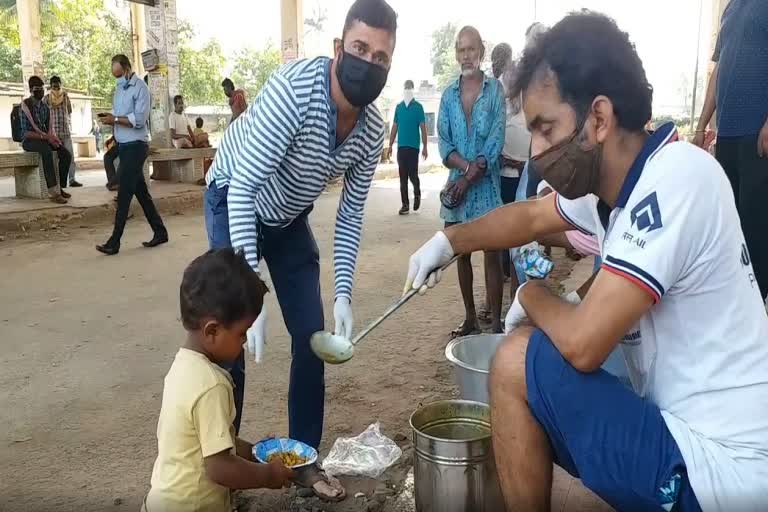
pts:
pixel 313 121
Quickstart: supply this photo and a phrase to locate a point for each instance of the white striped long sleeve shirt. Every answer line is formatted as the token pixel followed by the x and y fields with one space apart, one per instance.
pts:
pixel 278 157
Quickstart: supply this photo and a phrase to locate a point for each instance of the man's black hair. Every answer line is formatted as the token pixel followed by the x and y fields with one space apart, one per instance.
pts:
pixel 177 98
pixel 590 56
pixel 374 13
pixel 220 285
pixel 228 83
pixel 199 122
pixel 409 84
pixel 122 60
pixel 55 80
pixel 501 56
pixel 35 81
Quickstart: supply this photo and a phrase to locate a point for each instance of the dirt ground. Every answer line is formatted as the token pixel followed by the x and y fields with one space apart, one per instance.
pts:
pixel 87 339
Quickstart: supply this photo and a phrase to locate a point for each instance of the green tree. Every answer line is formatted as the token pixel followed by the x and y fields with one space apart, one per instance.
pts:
pixel 253 67
pixel 200 69
pixel 10 50
pixel 10 43
pixel 443 54
pixel 80 45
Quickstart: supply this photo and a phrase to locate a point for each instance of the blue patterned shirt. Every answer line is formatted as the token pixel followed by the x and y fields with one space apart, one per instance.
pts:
pixel 484 138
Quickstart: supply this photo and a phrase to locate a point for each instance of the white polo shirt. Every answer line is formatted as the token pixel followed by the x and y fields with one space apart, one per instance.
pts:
pixel 701 352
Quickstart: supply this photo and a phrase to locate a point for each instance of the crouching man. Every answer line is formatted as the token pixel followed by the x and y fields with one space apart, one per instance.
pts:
pixel 676 287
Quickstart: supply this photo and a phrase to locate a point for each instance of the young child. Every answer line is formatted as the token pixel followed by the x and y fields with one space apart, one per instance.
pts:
pixel 200 135
pixel 199 458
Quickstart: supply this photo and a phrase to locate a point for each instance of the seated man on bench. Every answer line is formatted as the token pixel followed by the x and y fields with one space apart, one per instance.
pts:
pixel 181 131
pixel 676 286
pixel 39 138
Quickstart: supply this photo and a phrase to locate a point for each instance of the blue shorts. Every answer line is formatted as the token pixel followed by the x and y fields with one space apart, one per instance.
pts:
pixel 605 434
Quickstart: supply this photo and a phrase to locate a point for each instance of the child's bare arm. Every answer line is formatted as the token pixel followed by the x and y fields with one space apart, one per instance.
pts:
pixel 235 472
pixel 244 449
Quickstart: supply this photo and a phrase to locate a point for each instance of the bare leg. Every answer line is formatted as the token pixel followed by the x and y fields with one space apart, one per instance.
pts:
pixel 465 283
pixel 494 287
pixel 520 445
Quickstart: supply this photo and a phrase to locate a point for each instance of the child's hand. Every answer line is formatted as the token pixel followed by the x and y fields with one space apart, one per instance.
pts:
pixel 279 475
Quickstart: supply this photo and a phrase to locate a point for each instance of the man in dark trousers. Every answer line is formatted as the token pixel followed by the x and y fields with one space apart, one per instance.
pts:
pixel 129 118
pixel 40 138
pixel 738 90
pixel 409 120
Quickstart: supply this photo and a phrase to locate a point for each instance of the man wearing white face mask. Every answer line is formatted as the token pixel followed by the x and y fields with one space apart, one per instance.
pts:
pixel 409 119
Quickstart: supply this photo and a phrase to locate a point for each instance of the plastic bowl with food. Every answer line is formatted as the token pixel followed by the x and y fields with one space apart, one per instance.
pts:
pixel 294 454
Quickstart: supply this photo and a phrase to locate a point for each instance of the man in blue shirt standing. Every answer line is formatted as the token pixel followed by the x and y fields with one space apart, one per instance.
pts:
pixel 738 90
pixel 129 119
pixel 409 119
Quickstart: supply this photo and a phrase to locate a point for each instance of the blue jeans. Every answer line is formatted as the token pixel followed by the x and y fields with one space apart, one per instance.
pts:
pixel 605 434
pixel 294 266
pixel 217 226
pixel 293 260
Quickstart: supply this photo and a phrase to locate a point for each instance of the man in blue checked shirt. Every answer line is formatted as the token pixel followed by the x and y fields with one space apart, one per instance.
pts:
pixel 313 121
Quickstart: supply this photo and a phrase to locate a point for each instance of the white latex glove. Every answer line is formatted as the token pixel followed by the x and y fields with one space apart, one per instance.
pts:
pixel 516 313
pixel 571 297
pixel 342 314
pixel 430 256
pixel 256 335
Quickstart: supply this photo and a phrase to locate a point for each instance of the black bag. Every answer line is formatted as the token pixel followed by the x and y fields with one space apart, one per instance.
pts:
pixel 16 132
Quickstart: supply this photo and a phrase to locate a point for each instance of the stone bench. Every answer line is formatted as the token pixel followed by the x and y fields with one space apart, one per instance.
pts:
pixel 180 165
pixel 28 173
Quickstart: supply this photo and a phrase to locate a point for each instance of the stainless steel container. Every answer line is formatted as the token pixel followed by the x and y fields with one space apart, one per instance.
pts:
pixel 453 466
pixel 471 358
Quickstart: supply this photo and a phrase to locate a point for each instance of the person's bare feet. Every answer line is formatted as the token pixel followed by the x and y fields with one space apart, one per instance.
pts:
pixel 466 328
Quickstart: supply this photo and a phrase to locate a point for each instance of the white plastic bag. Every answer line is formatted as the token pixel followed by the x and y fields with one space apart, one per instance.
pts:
pixel 368 454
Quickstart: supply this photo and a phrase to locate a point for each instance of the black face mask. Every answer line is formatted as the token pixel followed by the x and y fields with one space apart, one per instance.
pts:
pixel 361 81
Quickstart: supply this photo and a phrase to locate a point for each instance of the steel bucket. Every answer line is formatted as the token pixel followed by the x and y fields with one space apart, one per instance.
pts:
pixel 471 358
pixel 453 465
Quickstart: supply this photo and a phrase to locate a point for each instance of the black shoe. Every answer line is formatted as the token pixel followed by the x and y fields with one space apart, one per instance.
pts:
pixel 416 203
pixel 65 195
pixel 156 240
pixel 404 210
pixel 75 184
pixel 109 250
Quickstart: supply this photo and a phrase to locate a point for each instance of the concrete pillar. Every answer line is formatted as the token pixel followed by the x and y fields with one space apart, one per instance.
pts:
pixel 161 34
pixel 28 13
pixel 138 36
pixel 292 29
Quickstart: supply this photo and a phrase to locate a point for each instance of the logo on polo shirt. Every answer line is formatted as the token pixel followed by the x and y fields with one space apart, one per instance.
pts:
pixel 646 215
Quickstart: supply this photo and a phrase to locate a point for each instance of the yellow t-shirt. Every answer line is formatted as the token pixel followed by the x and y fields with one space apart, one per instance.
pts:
pixel 199 131
pixel 195 422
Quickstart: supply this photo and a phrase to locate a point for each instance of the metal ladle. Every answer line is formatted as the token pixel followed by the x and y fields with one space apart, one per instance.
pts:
pixel 335 349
